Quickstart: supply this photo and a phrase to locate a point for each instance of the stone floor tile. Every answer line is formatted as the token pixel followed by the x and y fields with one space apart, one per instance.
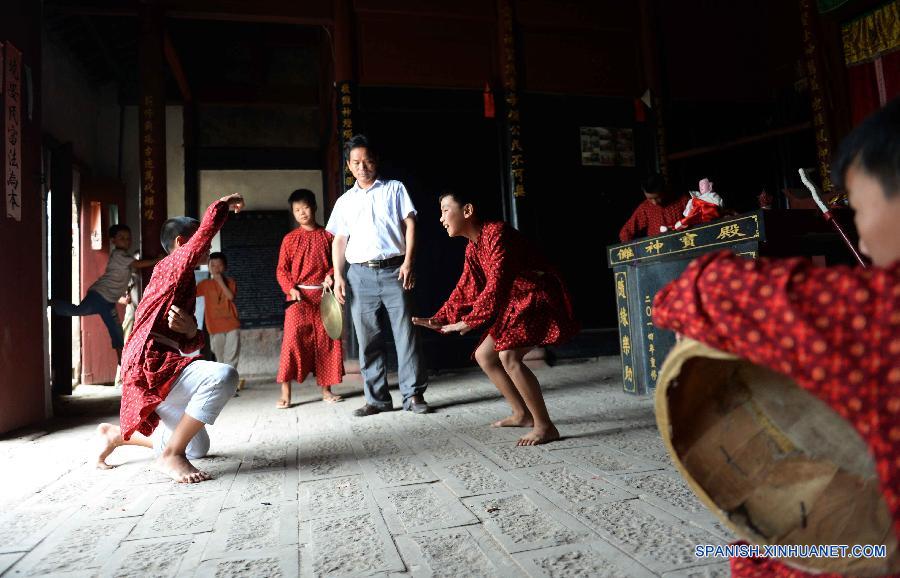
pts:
pixel 721 570
pixel 463 552
pixel 396 470
pixel 568 486
pixel 420 508
pixel 589 560
pixel 79 546
pixel 524 521
pixel 7 560
pixel 172 515
pixel 642 442
pixel 602 460
pixel 269 486
pixel 330 496
pixel 653 537
pixel 266 457
pixel 253 527
pixel 511 457
pixel 22 529
pixel 475 476
pixel 283 563
pixel 326 457
pixel 668 491
pixel 348 545
pixel 123 501
pixel 485 434
pixel 443 448
pixel 155 557
pixel 223 475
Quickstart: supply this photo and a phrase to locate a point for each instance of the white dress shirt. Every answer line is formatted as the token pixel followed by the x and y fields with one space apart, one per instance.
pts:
pixel 372 220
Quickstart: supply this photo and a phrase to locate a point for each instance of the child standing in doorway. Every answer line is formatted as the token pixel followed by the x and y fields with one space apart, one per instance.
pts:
pixel 102 296
pixel 220 313
pixel 304 268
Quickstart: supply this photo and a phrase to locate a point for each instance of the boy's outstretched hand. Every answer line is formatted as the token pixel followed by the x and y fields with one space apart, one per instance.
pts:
pixel 428 322
pixel 235 202
pixel 182 322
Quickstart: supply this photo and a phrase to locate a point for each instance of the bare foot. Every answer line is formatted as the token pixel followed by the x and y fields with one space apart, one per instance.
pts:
pixel 539 436
pixel 515 421
pixel 111 438
pixel 330 397
pixel 283 404
pixel 179 469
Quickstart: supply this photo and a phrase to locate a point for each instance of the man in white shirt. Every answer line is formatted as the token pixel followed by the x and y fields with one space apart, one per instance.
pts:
pixel 374 226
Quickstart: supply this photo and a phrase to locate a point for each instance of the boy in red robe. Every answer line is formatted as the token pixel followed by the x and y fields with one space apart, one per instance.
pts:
pixel 507 283
pixel 659 208
pixel 834 330
pixel 159 382
pixel 304 267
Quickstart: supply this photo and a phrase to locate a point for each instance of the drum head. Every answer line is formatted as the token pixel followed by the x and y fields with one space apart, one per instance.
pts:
pixel 777 465
pixel 332 315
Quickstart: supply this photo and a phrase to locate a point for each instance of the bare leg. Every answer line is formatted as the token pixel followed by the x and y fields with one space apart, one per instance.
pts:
pixel 329 396
pixel 111 438
pixel 489 360
pixel 530 389
pixel 173 462
pixel 285 401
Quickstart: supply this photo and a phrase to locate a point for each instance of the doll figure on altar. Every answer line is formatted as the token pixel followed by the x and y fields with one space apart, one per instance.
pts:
pixel 705 205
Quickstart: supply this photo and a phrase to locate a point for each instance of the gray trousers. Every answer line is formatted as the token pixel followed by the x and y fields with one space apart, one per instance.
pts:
pixel 370 289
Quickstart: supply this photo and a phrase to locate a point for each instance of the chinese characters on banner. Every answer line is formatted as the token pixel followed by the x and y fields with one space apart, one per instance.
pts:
pixel 148 165
pixel 345 122
pixel 510 89
pixel 12 131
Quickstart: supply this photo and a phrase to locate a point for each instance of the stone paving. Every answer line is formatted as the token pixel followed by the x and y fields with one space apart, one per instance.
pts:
pixel 313 491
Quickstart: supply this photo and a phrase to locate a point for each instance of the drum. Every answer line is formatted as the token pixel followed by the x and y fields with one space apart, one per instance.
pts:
pixel 777 465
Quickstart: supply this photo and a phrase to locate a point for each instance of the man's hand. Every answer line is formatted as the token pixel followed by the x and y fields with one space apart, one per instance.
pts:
pixel 461 327
pixel 235 202
pixel 340 288
pixel 406 276
pixel 427 322
pixel 182 322
pixel 294 294
pixel 328 282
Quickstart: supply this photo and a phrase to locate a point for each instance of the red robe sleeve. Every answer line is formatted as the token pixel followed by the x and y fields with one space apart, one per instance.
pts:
pixel 285 262
pixel 498 278
pixel 330 238
pixel 463 296
pixel 635 225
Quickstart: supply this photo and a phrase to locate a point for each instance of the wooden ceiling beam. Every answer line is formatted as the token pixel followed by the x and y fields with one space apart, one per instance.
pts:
pixel 263 11
pixel 177 69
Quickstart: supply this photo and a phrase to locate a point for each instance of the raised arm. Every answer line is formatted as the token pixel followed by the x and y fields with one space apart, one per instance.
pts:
pixel 633 226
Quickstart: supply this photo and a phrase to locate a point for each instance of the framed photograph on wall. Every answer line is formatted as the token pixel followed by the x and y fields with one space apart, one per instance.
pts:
pixel 607 147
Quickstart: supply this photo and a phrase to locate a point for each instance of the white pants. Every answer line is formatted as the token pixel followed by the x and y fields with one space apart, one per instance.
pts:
pixel 226 346
pixel 201 391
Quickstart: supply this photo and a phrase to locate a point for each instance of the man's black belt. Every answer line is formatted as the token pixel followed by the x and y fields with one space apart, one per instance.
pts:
pixel 384 263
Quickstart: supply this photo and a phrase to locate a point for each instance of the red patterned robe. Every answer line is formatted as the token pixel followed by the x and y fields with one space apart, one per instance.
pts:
pixel 648 218
pixel 834 330
pixel 506 280
pixel 148 367
pixel 305 259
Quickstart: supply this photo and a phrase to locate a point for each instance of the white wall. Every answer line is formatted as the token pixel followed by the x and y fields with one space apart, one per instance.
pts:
pixel 262 190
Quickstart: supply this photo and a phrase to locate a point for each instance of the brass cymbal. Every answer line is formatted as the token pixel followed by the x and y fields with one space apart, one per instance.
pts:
pixel 332 314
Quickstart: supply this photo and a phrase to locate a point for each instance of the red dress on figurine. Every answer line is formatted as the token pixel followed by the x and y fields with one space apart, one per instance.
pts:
pixel 834 330
pixel 648 218
pixel 305 259
pixel 506 280
pixel 148 367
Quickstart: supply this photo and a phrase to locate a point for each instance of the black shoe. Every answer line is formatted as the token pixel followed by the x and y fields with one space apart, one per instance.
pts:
pixel 366 410
pixel 417 404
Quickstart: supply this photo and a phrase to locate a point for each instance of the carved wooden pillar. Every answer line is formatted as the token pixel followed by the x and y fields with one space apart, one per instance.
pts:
pixel 152 127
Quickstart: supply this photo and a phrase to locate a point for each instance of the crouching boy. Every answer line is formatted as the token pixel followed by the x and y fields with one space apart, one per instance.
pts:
pixel 159 382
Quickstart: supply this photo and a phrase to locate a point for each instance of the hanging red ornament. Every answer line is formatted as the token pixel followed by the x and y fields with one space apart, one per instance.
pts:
pixel 488 101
